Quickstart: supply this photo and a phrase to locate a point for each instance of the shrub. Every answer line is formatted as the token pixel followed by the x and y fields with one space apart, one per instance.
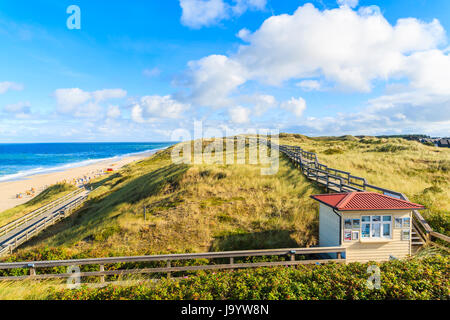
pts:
pixel 425 278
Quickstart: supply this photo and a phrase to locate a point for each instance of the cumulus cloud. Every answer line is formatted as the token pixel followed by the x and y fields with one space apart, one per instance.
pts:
pixel 351 48
pixel 8 85
pixel 69 99
pixel 213 78
pixel 295 106
pixel 349 3
pixel 82 103
pixel 154 107
pixel 239 115
pixel 201 13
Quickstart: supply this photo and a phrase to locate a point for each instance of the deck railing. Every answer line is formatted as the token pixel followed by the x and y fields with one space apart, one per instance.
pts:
pixel 27 233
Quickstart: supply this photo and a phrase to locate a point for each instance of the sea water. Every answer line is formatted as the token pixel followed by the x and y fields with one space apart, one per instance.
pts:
pixel 19 160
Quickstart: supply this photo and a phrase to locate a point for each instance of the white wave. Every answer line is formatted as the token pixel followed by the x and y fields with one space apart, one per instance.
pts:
pixel 41 170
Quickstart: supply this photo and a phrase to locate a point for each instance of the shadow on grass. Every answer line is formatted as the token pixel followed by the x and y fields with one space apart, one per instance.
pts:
pixel 272 239
pixel 101 213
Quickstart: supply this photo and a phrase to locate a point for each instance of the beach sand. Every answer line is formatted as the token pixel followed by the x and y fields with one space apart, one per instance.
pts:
pixel 9 189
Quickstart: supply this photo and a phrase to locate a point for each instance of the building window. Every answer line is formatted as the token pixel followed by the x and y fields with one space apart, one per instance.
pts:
pixel 376 227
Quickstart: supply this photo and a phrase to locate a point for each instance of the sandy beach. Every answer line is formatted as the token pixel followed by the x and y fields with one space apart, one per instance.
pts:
pixel 39 182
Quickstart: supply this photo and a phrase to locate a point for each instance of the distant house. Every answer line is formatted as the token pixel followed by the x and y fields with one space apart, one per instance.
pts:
pixel 444 143
pixel 371 226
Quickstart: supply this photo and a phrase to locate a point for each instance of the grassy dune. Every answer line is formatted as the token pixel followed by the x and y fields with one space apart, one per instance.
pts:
pixel 193 208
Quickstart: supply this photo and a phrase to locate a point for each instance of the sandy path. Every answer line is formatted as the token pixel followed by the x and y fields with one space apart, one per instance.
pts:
pixel 9 189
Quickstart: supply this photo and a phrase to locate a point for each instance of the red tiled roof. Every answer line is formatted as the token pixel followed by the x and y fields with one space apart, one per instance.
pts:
pixel 355 201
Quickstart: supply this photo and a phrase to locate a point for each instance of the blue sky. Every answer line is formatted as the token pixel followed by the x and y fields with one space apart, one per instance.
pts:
pixel 140 70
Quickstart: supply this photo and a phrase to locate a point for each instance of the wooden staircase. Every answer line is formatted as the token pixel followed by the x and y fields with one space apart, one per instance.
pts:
pixel 417 241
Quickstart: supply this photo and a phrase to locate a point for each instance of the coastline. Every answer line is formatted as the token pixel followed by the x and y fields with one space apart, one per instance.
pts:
pixel 39 182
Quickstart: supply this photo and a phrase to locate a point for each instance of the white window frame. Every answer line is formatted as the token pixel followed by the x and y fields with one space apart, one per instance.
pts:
pixel 371 223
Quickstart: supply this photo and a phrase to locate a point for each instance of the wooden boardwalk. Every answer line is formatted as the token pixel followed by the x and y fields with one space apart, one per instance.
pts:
pixel 21 230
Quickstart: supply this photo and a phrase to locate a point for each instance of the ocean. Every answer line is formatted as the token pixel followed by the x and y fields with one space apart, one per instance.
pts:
pixel 19 160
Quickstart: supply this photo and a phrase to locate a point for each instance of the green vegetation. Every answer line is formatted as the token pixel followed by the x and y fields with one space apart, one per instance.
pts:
pixel 48 195
pixel 425 278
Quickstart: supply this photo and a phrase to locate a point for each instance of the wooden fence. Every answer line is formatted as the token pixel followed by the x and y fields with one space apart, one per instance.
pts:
pixel 28 232
pixel 292 254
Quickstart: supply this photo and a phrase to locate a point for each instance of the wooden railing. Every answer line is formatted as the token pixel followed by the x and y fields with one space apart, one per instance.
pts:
pixel 29 216
pixel 343 181
pixel 27 233
pixel 292 254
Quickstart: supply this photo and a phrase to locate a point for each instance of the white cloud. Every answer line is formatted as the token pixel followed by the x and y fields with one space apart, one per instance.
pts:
pixel 349 3
pixel 201 13
pixel 105 94
pixel 309 85
pixel 295 106
pixel 239 114
pixel 157 107
pixel 69 99
pixel 82 103
pixel 8 85
pixel 260 102
pixel 350 48
pixel 213 78
pixel 113 112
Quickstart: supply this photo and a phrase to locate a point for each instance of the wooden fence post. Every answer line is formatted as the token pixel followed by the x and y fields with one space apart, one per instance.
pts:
pixel 102 277
pixel 168 266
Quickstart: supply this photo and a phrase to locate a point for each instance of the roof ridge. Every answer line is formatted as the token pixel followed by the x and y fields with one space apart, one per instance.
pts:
pixel 344 201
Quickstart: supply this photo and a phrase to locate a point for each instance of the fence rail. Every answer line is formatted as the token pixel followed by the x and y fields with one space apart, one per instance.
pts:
pixel 343 181
pixel 31 215
pixel 168 258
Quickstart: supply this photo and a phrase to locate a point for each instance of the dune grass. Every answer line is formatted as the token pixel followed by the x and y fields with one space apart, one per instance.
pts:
pixel 48 195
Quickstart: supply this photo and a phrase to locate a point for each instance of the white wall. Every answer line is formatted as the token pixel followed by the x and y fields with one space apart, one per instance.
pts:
pixel 328 227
